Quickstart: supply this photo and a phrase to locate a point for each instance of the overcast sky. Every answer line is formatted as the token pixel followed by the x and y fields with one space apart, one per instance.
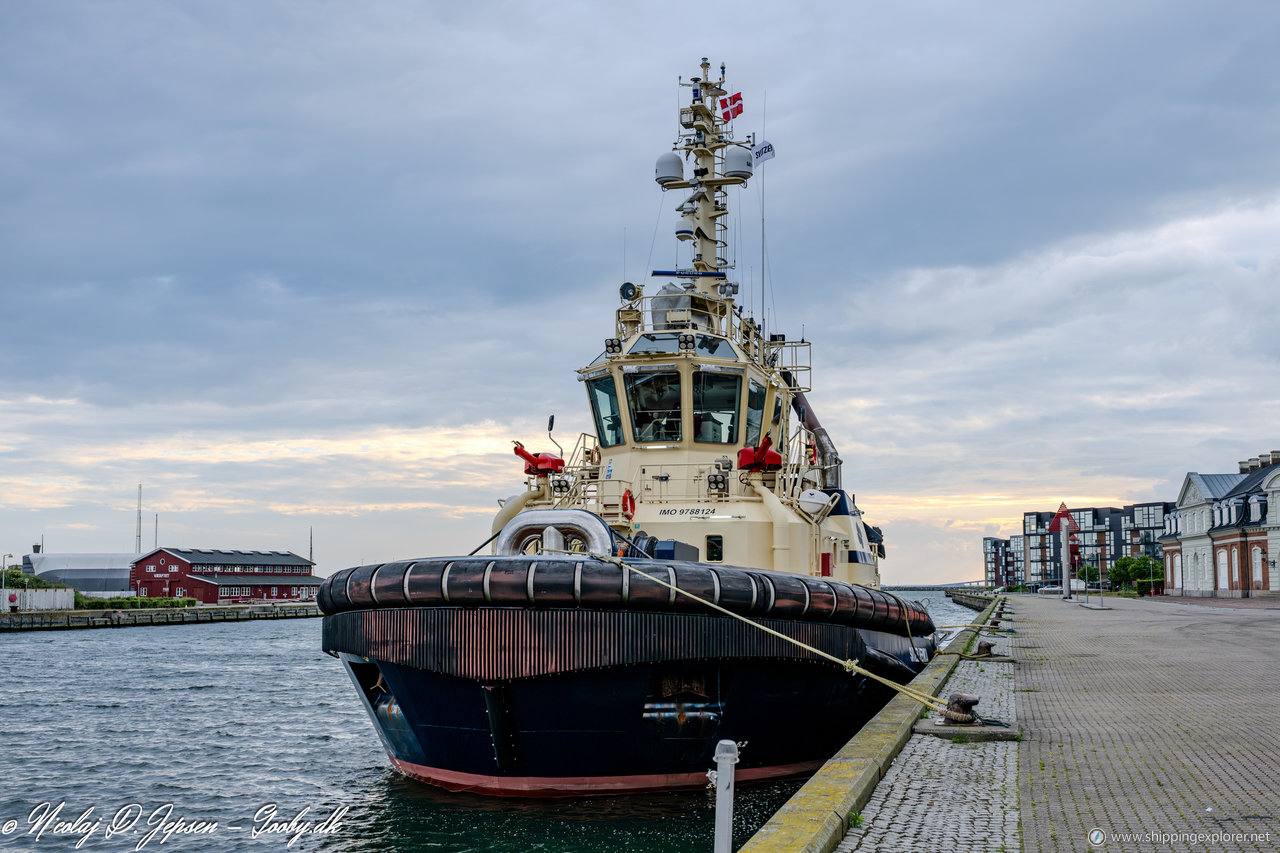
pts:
pixel 296 265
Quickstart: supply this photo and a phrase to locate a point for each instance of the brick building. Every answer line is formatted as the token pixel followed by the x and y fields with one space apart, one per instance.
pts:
pixel 211 577
pixel 1223 538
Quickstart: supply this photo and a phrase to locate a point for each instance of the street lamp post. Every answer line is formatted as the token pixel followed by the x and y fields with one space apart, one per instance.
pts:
pixel 4 582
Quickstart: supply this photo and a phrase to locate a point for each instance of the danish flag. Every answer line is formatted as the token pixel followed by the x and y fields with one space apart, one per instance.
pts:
pixel 731 107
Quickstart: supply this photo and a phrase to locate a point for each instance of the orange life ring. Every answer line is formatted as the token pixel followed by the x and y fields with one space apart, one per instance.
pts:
pixel 628 505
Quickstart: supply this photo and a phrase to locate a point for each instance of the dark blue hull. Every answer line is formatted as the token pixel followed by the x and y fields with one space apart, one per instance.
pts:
pixel 558 701
pixel 630 728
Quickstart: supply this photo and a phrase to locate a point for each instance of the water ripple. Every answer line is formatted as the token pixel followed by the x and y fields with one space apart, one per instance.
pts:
pixel 220 720
pixel 223 719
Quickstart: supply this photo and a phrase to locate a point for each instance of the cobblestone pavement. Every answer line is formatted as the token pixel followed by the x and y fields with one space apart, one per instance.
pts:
pixel 1153 720
pixel 940 795
pixel 1259 602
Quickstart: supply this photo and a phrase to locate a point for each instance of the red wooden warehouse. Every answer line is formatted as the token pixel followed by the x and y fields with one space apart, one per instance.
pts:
pixel 211 577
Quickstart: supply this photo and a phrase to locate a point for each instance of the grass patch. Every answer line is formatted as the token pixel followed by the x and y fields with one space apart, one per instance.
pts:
pixel 130 603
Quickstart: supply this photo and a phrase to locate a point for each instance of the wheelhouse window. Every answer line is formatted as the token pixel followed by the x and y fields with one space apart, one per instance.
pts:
pixel 715 347
pixel 755 412
pixel 666 343
pixel 655 405
pixel 655 344
pixel 716 399
pixel 604 406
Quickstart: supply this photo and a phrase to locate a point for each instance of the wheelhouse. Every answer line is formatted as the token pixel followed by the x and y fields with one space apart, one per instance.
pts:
pixel 692 390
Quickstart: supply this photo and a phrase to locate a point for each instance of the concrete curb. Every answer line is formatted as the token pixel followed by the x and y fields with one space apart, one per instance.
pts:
pixel 968 733
pixel 975 600
pixel 816 819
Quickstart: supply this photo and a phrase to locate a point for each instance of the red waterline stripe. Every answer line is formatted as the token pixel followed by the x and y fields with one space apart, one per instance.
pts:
pixel 571 786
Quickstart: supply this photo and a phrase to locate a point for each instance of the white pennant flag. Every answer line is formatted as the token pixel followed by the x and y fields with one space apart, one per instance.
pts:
pixel 762 152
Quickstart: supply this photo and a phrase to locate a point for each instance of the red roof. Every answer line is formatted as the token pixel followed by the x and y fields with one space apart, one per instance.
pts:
pixel 1063 517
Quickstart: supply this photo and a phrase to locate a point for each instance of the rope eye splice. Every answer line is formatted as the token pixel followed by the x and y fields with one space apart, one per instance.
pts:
pixel 850 666
pixel 960 709
pixel 960 712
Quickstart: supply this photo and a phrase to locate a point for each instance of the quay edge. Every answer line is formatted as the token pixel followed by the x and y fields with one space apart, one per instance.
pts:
pixel 816 819
pixel 973 600
pixel 63 620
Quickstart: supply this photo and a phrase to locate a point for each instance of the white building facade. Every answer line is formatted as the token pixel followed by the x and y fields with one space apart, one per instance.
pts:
pixel 1223 537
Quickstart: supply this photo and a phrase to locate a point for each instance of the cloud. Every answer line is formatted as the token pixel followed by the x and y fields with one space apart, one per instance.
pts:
pixel 1091 372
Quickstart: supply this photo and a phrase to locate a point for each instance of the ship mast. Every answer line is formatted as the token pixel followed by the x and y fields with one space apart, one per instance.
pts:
pixel 705 135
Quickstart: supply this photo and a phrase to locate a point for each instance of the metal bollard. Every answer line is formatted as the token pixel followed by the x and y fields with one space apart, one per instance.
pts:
pixel 726 755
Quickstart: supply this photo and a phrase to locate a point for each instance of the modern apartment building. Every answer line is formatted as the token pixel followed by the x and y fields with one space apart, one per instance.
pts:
pixel 1093 536
pixel 997 564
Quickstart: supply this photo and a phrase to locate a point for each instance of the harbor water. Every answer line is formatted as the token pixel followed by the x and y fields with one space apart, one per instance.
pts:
pixel 245 736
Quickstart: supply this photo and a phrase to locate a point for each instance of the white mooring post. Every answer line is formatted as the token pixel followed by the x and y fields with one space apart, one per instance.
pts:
pixel 726 756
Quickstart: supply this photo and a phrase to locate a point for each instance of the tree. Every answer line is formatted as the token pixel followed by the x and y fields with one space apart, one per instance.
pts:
pixel 15 579
pixel 1129 570
pixel 1122 573
pixel 1090 574
pixel 1148 568
pixel 1147 573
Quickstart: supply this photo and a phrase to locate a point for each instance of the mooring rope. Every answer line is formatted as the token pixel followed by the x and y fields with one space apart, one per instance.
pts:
pixel 906 621
pixel 848 665
pixel 485 542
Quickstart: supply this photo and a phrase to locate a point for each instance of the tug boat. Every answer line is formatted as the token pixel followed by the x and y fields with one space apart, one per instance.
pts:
pixel 616 630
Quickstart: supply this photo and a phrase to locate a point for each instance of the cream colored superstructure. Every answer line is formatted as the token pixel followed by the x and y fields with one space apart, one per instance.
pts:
pixel 688 382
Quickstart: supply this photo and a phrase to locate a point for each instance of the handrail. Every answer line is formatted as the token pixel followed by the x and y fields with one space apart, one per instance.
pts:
pixel 714 315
